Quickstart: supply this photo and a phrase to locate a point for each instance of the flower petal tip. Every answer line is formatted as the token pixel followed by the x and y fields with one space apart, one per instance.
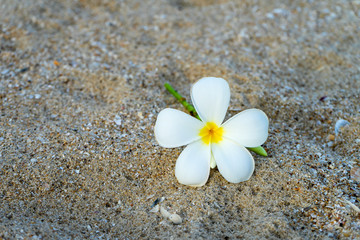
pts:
pixel 193 165
pixel 174 128
pixel 211 98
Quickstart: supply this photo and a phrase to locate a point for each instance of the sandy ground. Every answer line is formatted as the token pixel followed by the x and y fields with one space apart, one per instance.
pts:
pixel 81 84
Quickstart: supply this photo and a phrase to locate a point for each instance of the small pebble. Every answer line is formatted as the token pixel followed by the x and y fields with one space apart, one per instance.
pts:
pixel 270 15
pixel 280 11
pixel 22 70
pixel 56 63
pixel 322 98
pixel 340 124
pixel 331 137
pixel 37 96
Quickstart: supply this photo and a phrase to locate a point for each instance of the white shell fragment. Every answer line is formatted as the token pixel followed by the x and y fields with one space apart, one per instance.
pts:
pixel 353 206
pixel 164 212
pixel 117 120
pixel 175 219
pixel 155 209
pixel 339 124
pixel 155 206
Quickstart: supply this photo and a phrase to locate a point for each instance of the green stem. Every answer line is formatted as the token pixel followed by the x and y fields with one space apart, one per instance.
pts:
pixel 182 100
pixel 258 150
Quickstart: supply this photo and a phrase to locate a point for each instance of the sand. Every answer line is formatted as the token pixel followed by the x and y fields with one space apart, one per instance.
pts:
pixel 81 84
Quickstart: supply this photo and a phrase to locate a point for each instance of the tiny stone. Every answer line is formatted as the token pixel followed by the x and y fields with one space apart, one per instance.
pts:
pixel 140 115
pixel 22 70
pixel 280 11
pixel 33 160
pixel 270 15
pixel 77 171
pixel 331 137
pixel 37 96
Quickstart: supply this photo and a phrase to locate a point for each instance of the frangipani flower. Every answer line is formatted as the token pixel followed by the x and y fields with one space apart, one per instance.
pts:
pixel 210 142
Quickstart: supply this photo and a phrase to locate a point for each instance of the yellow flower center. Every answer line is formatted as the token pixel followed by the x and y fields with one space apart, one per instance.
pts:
pixel 211 133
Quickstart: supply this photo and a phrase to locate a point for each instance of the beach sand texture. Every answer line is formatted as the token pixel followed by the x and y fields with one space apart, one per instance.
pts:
pixel 81 84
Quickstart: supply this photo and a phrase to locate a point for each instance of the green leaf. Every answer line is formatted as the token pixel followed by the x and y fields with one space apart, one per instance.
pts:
pixel 259 150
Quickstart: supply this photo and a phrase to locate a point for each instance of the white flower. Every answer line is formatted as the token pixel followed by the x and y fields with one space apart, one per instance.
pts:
pixel 210 142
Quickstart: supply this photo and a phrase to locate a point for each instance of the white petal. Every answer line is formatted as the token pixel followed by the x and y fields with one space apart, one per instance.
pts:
pixel 174 128
pixel 234 162
pixel 211 97
pixel 212 161
pixel 193 165
pixel 248 128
